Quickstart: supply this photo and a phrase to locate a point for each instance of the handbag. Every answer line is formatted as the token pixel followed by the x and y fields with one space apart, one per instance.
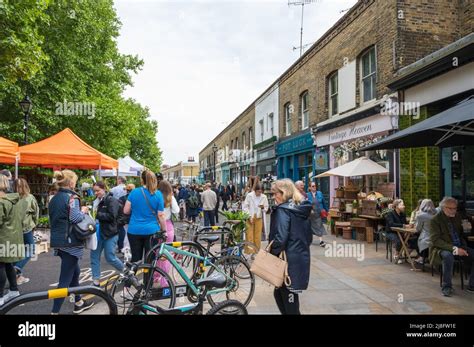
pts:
pixel 324 214
pixel 91 242
pixel 270 268
pixel 83 229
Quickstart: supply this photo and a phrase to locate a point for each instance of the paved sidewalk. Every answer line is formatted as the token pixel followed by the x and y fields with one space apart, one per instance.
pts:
pixel 372 286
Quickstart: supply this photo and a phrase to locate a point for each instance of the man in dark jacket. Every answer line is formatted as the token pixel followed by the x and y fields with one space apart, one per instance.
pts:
pixel 231 190
pixel 397 218
pixel 447 243
pixel 107 213
pixel 290 231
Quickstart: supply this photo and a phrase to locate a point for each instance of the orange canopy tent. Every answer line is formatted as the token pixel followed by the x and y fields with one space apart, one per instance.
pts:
pixel 65 150
pixel 8 151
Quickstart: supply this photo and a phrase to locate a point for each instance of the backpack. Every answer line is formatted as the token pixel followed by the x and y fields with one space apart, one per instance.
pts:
pixel 193 201
pixel 122 218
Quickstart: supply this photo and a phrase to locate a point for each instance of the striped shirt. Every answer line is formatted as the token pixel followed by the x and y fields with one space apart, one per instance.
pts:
pixel 75 216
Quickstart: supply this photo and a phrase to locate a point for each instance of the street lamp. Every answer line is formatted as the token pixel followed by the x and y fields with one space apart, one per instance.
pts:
pixel 26 106
pixel 214 150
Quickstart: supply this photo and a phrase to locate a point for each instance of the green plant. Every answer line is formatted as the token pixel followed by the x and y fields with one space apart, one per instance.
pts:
pixel 237 229
pixel 43 222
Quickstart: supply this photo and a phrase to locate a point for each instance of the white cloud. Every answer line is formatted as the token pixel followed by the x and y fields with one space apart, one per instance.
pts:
pixel 206 61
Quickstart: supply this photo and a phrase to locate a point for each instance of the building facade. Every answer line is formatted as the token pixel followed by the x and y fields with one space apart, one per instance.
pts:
pixel 182 173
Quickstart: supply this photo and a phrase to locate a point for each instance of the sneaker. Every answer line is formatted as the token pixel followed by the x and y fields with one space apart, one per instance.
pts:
pixel 447 291
pixel 2 301
pixel 322 244
pixel 470 290
pixel 96 284
pixel 82 306
pixel 11 294
pixel 20 279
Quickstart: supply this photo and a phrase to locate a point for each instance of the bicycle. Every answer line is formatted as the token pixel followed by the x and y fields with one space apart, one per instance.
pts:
pixel 140 306
pixel 233 268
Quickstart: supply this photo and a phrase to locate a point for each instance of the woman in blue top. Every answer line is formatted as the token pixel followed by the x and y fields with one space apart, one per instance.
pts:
pixel 146 206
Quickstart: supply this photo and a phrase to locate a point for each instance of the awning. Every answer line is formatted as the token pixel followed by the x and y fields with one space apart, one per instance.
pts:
pixel 65 150
pixel 127 167
pixel 8 151
pixel 453 127
pixel 362 166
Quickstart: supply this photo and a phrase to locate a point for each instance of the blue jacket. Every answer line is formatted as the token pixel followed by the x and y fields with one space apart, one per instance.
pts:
pixel 290 231
pixel 183 194
pixel 320 197
pixel 59 220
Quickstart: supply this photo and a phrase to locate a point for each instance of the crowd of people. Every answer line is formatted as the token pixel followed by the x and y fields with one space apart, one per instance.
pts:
pixel 127 217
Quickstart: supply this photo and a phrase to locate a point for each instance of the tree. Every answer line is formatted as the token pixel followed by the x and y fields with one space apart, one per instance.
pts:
pixel 64 55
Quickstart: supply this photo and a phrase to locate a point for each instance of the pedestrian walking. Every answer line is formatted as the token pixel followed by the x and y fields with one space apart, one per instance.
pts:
pixel 11 234
pixel 192 204
pixel 256 205
pixel 209 201
pixel 29 206
pixel 64 210
pixel 107 209
pixel 290 231
pixel 316 198
pixel 146 207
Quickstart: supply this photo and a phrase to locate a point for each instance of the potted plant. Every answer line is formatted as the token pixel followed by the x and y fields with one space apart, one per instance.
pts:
pixel 340 192
pixel 240 220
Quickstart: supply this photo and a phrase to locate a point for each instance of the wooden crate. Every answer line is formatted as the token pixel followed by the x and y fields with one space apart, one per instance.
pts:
pixel 369 208
pixel 347 233
pixel 369 232
pixel 334 213
pixel 351 194
pixel 360 234
pixel 343 224
pixel 359 222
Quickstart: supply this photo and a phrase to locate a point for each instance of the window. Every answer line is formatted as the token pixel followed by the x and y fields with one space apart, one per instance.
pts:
pixel 304 111
pixel 244 140
pixel 250 138
pixel 236 143
pixel 270 123
pixel 368 68
pixel 333 89
pixel 260 122
pixel 232 144
pixel 288 119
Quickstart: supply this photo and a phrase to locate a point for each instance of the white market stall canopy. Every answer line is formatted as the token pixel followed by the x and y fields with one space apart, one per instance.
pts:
pixel 359 167
pixel 127 167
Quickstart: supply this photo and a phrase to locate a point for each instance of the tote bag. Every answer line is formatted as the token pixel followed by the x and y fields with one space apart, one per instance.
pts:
pixel 270 268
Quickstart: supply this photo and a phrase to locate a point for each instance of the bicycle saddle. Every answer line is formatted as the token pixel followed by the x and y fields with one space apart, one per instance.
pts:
pixel 216 280
pixel 209 239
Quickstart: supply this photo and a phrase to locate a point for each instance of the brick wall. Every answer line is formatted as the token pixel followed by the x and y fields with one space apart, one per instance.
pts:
pixel 466 17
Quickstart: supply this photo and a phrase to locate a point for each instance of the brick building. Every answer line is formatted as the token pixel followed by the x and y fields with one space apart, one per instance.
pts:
pixel 182 173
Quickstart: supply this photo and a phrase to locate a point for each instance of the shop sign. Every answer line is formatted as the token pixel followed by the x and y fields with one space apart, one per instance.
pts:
pixel 296 144
pixel 364 127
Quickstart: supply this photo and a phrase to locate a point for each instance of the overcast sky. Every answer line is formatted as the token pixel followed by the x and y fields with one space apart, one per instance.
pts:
pixel 206 61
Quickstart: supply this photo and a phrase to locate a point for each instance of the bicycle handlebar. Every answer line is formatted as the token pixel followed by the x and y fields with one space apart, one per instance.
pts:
pixel 60 293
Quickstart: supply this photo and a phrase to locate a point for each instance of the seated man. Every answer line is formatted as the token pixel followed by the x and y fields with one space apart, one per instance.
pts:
pixel 447 242
pixel 397 218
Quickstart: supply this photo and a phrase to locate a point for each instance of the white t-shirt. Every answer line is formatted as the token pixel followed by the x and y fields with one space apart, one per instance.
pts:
pixel 173 209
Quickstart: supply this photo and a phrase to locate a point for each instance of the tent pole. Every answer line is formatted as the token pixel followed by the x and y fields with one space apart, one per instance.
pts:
pixel 100 172
pixel 16 167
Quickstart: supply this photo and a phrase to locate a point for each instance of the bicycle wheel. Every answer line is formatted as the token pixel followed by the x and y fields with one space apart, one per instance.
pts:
pixel 247 249
pixel 159 289
pixel 237 269
pixel 228 307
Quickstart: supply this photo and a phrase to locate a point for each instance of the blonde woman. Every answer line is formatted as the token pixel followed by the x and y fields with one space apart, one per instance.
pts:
pixel 65 209
pixel 256 205
pixel 290 231
pixel 30 207
pixel 11 234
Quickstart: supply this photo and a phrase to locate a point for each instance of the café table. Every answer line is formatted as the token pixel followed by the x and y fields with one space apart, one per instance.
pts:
pixel 404 234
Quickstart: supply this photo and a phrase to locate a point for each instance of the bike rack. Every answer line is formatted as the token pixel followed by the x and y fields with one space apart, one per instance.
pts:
pixel 60 293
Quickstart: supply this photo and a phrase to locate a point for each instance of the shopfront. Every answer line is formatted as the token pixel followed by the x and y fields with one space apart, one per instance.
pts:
pixel 295 158
pixel 266 161
pixel 341 144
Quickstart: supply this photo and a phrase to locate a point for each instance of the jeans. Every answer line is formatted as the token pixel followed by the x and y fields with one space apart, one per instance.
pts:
pixel 224 206
pixel 108 246
pixel 287 302
pixel 209 218
pixel 448 265
pixel 121 237
pixel 138 245
pixel 7 271
pixel 68 277
pixel 30 251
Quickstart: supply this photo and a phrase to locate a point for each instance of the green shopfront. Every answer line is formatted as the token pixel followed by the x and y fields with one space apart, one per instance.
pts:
pixel 295 158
